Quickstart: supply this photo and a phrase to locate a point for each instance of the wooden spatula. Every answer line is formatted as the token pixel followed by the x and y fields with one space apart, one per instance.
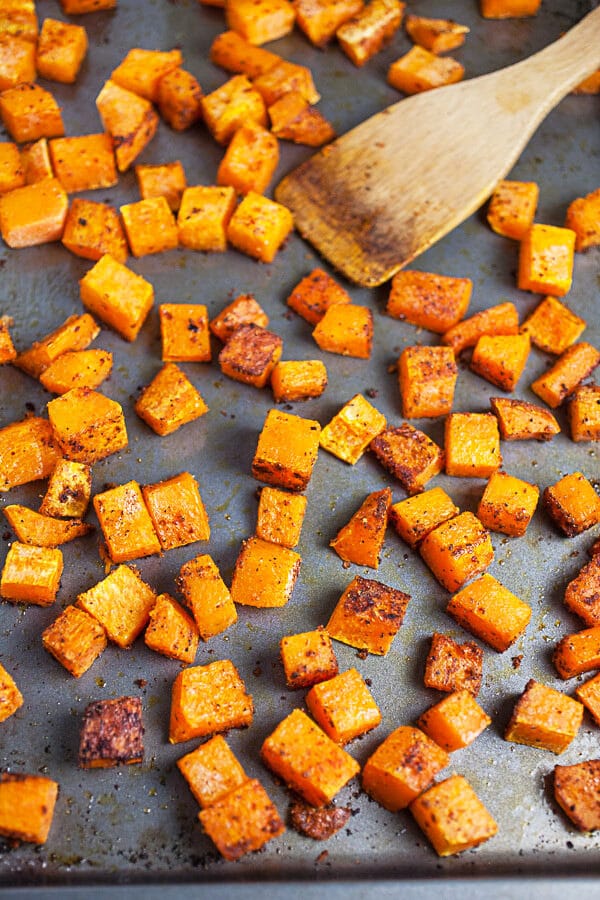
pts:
pixel 388 189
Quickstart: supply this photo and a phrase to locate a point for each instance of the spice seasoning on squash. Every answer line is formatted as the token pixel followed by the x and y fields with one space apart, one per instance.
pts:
pixel 582 217
pixel 93 230
pixel 126 523
pixel 242 821
pixel 142 70
pixel 203 217
pixel 453 817
pixel 244 310
pixel 234 53
pixel 512 207
pixel 184 332
pixel 279 517
pixel 582 594
pixel 308 658
pixel 75 333
pixel 352 429
pixel 177 511
pixel 212 770
pixel 75 639
pixel 578 653
pixel 544 717
pixel 552 326
pixel 583 413
pixel 314 294
pixel 320 19
pixel 207 595
pixel 31 574
pixel 121 603
pixel 490 612
pixel 87 426
pixel 370 29
pixel 457 550
pixel 472 445
pixel 296 380
pixel 150 226
pixel 572 504
pixel 260 21
pixel 294 119
pixel 33 214
pixel 368 615
pixel 451 666
pixel 589 694
pixel 250 159
pixel 343 706
pixel 419 70
pixel 427 300
pixel 251 354
pixel 231 105
pixel 171 631
pixel 259 226
pixel 264 574
pixel 360 541
pixel 507 504
pixel 577 792
pixel 131 121
pixel 69 490
pixel 416 516
pixel 17 60
pixel 286 451
pixel 118 296
pixel 347 329
pixel 409 455
pixel 112 733
pixel 208 699
pixel 454 722
pixel 169 401
pixel 12 173
pixel 561 380
pixel 501 359
pixel 427 378
pixel 500 319
pixel 436 35
pixel 179 99
pixel 77 369
pixel 32 527
pixel 28 452
pixel 519 420
pixel 30 112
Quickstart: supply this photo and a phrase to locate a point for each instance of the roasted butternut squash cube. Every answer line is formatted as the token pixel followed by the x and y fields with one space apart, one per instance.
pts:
pixel 360 541
pixel 308 658
pixel 283 77
pixel 75 639
pixel 259 226
pixel 80 7
pixel 177 511
pixel 31 574
pixel 61 49
pixel 150 226
pixel 11 698
pixel 87 425
pixel 28 451
pixel 508 504
pixel 12 174
pixel 18 18
pixel 30 112
pixel 409 455
pixel 572 503
pixel 427 378
pixel 119 297
pixel 314 294
pixel 545 718
pixel 366 33
pixel 260 21
pixel 500 319
pixel 347 329
pixel 582 594
pixel 512 207
pixel 171 631
pixel 320 19
pixel 436 35
pixel 368 615
pixel 69 490
pixel 452 816
pixel 472 445
pixel 204 216
pixel 208 699
pixel 112 733
pixel 231 105
pixel 125 522
pixel 552 326
pixel 17 61
pixel 244 310
pixel 212 770
pixel 343 706
pixel 295 380
pixel 250 159
pixel 457 550
pixel 519 420
pixel 501 359
pixel 509 9
pixel 33 214
pixel 76 369
pixel 401 767
pixel 167 180
pixel 416 516
pixel 307 760
pixel 251 354
pixel 26 806
pixel 451 666
pixel 286 451
pixel 280 516
pixel 84 163
pixel 94 229
pixel 490 612
pixel 294 119
pixel 546 260
pixel 121 602
pixel 578 653
pixel 567 373
pixel 427 300
pixel 352 429
pixel 131 121
pixel 264 574
pixel 576 790
pixel 7 348
pixel 179 99
pixel 32 527
pixel 455 721
pixel 234 53
pixel 207 596
pixel 584 413
pixel 141 70
pixel 583 217
pixel 242 821
pixel 419 70
pixel 75 333
pixel 184 332
pixel 589 694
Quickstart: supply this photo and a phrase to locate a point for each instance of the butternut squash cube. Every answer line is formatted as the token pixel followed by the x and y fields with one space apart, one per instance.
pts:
pixel 12 174
pixel 80 7
pixel 472 444
pixel 490 612
pixel 141 71
pixel 401 767
pixel 589 694
pixel 251 354
pixel 546 260
pixel 112 733
pixel 125 522
pixel 61 50
pixel 368 615
pixel 583 217
pixel 129 119
pixel 343 706
pixel 451 666
pixel 7 348
pixel 234 53
pixel 427 300
pixel 121 602
pixel 508 504
pixel 28 451
pixel 576 792
pixel 346 328
pixel 69 490
pixel 572 503
pixel 360 541
pixel 320 19
pixel 512 207
pixel 244 310
pixel 17 60
pixel 552 326
pixel 314 294
pixel 427 378
pixel 352 429
pixel 286 451
pixel 307 760
pixel 18 18
pixel 87 425
pixel 75 639
pixel 419 70
pixel 455 721
pixel 584 413
pixel 501 359
pixel 177 511
pixel 260 21
pixel 30 112
pixel 26 806
pixel 212 770
pixel 264 574
pixel 231 105
pixel 208 699
pixel 509 9
pixel 567 373
pixel 31 574
pixel 76 369
pixel 409 455
pixel 33 214
pixel 179 99
pixel 93 230
pixel 167 180
pixel 184 332
pixel 294 119
pixel 259 226
pixel 171 631
pixel 204 216
pixel 436 35
pixel 280 516
pixel 119 297
pixel 545 718
pixel 296 380
pixel 75 333
pixel 577 653
pixel 457 550
pixel 283 77
pixel 416 516
pixel 150 226
pixel 35 528
pixel 519 420
pixel 250 159
pixel 84 163
pixel 500 319
pixel 242 821
pixel 582 594
pixel 367 32
pixel 452 816
pixel 207 596
pixel 11 698
pixel 308 658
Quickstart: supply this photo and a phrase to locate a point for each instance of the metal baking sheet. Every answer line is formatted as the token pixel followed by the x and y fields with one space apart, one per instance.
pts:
pixel 139 823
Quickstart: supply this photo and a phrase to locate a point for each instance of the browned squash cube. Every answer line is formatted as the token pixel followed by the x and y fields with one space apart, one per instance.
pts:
pixel 320 19
pixel 118 296
pixel 582 594
pixel 121 602
pixel 472 444
pixel 141 70
pixel 286 451
pixel 212 770
pixel 242 821
pixel 18 18
pixel 204 216
pixel 500 319
pixel 368 615
pixel 501 359
pixel 169 401
pixel 284 77
pixel 12 173
pixel 567 373
pixel 453 817
pixel 207 596
pixel 427 378
pixel 171 631
pixel 33 214
pixel 260 21
pixel 508 504
pixel 112 733
pixel 352 429
pixel 17 61
pixel 294 119
pixel 428 300
pixel 295 380
pixel 419 70
pixel 235 54
pixel 31 574
pixel 584 413
pixel 232 105
pixel 546 260
pixel 577 792
pixel 244 310
pixel 455 721
pixel 314 294
pixel 583 216
pixel 512 207
pixel 208 699
pixel 36 161
pixel 26 806
pixel 75 639
pixel 93 230
pixel 7 348
pixel 280 516
pixel 125 522
pixel 250 160
pixel 409 455
pixel 589 694
pixel 264 574
pixel 150 226
pixel 251 354
pixel 451 666
pixel 573 504
pixel 360 540
pixel 545 718
pixel 69 490
pixel 167 180
pixel 346 328
pixel 519 420
pixel 11 698
pixel 490 612
pixel 259 226
pixel 34 528
pixel 457 550
pixel 577 653
pixel 179 99
pixel 437 35
pixel 61 50
pixel 28 451
pixel 129 119
pixel 509 9
pixel 343 706
pixel 84 163
pixel 308 658
pixel 552 326
pixel 177 511
pixel 366 33
pixel 76 369
pixel 416 516
pixel 87 425
pixel 30 112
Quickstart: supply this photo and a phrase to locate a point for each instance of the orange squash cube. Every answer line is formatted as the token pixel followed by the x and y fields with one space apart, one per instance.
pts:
pixel 308 658
pixel 490 612
pixel 416 516
pixel 76 369
pixel 166 181
pixel 508 504
pixel 280 516
pixel 367 32
pixel 472 445
pixel 118 296
pixel 582 594
pixel 75 639
pixel 141 71
pixel 35 158
pixel 131 121
pixel 455 721
pixel 578 653
pixel 294 119
pixel 368 615
pixel 68 491
pixel 584 413
pixel 28 451
pixel 509 9
pixel 352 429
pixel 286 450
pixel 30 112
pixel 260 21
pixel 208 699
pixel 150 226
pixel 427 300
pixel 18 19
pixel 80 7
pixel 346 328
pixel 307 760
pixel 84 163
pixel 545 718
pixel 11 698
pixel 26 806
pixel 87 426
pixel 33 214
pixel 314 294
pixel 242 821
pixel 259 226
pixel 576 792
pixel 34 528
pixel 177 512
pixel 179 99
pixel 419 70
pixel 31 574
pixel 112 733
pixel 235 54
pixel 125 522
pixel 519 420
pixel 231 105
pixel 427 378
pixel 436 35
pixel 360 541
pixel 169 401
pixel 573 504
pixel 512 207
pixel 457 550
pixel 184 332
pixel 171 631
pixel 264 574
pixel 501 359
pixel 17 60
pixel 7 348
pixel 343 706
pixel 204 216
pixel 500 319
pixel 244 310
pixel 409 455
pixel 121 603
pixel 207 596
pixel 61 50
pixel 552 326
pixel 251 354
pixel 212 770
pixel 12 173
pixel 451 666
pixel 546 260
pixel 401 767
pixel 567 373
pixel 250 159
pixel 295 380
pixel 589 694
pixel 452 816
pixel 75 333
pixel 582 217
pixel 284 77
pixel 320 19
pixel 93 230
